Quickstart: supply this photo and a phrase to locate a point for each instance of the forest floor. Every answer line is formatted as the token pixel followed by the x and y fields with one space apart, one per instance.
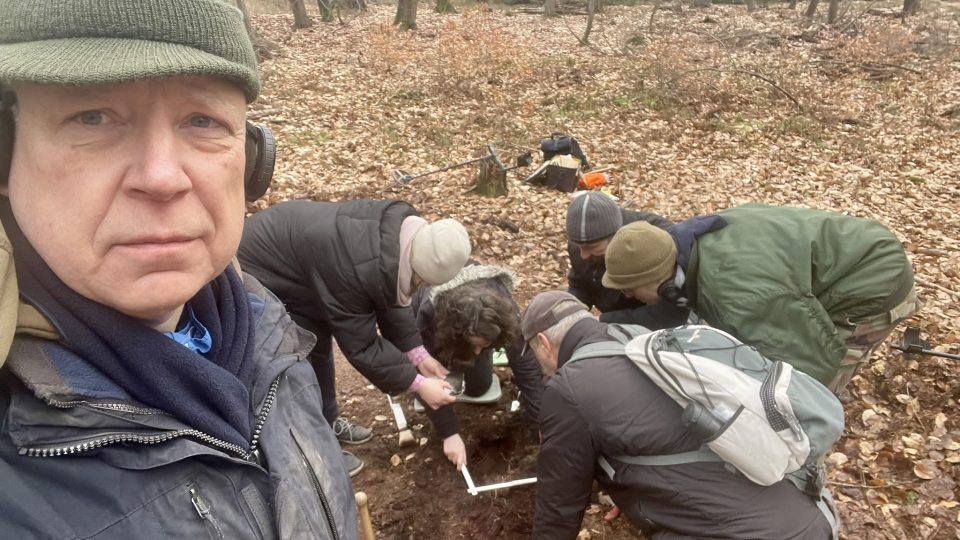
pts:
pixel 693 111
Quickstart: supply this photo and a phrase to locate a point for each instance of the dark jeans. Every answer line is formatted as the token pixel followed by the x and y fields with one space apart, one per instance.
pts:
pixel 321 358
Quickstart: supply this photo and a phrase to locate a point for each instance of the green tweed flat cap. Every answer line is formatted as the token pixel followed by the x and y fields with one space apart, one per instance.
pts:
pixel 90 42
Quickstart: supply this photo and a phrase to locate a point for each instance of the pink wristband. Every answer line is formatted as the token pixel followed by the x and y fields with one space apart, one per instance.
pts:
pixel 416 355
pixel 417 383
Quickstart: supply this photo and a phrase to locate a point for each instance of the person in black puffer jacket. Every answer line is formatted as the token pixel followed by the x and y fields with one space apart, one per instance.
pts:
pixel 345 271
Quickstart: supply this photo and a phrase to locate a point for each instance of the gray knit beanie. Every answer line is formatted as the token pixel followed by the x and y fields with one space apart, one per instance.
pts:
pixel 591 217
pixel 90 42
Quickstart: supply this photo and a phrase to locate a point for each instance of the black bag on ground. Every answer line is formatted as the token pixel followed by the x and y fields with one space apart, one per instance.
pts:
pixel 561 143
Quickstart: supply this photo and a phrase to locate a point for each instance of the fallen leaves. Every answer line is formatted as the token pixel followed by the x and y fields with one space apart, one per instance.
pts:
pixel 351 104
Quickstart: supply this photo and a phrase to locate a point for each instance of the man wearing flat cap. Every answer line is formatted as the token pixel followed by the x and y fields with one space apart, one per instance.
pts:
pixel 815 289
pixel 596 408
pixel 150 390
pixel 345 271
pixel 593 217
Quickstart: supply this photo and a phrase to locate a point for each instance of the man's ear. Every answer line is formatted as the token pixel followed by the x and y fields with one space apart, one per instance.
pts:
pixel 543 342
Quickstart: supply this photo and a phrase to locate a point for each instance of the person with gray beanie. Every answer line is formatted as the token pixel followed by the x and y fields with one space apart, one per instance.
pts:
pixel 148 388
pixel 345 270
pixel 593 217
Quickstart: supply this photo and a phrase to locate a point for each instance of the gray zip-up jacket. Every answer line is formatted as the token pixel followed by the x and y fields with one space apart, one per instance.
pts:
pixel 77 465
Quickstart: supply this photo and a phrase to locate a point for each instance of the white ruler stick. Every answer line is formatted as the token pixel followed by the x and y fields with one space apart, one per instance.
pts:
pixel 503 485
pixel 471 489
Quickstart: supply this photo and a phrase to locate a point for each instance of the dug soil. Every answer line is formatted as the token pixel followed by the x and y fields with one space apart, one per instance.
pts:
pixel 415 492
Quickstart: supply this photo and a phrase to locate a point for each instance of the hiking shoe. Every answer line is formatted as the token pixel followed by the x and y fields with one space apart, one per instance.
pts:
pixel 352 463
pixel 350 433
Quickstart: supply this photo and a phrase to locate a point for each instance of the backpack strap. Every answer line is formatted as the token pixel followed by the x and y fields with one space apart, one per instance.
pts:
pixel 694 456
pixel 621 333
pixel 594 350
pixel 829 510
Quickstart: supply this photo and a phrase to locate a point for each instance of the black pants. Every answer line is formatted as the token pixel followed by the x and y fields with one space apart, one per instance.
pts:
pixel 321 358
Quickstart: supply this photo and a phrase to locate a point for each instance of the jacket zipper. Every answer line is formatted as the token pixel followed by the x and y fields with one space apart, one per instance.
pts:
pixel 324 503
pixel 252 455
pixel 203 509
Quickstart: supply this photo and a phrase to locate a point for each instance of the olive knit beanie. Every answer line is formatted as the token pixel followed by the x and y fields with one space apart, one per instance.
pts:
pixel 439 250
pixel 639 254
pixel 90 42
pixel 592 216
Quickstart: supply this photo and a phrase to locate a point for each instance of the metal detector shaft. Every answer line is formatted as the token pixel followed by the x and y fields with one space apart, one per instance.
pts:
pixel 408 179
pixel 913 349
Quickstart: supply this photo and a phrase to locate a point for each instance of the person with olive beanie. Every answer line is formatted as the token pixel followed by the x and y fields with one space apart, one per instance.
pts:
pixel 345 270
pixel 593 217
pixel 148 389
pixel 818 290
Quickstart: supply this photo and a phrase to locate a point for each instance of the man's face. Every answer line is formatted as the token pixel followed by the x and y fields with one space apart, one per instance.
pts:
pixel 646 294
pixel 132 193
pixel 593 250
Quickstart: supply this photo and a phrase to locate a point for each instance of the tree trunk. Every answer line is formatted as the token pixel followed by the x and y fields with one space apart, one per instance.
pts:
pixel 751 6
pixel 242 6
pixel 811 9
pixel 406 14
pixel 910 7
pixel 591 7
pixel 300 18
pixel 492 180
pixel 793 4
pixel 445 6
pixel 832 11
pixel 326 9
pixel 550 8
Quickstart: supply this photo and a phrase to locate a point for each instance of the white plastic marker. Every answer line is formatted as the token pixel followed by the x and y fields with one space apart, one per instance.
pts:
pixel 515 404
pixel 473 490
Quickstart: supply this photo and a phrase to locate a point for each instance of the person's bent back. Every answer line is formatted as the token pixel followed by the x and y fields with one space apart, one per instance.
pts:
pixel 600 407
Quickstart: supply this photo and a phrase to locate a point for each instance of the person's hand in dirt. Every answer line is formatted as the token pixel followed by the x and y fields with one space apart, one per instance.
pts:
pixel 436 393
pixel 455 450
pixel 613 514
pixel 432 368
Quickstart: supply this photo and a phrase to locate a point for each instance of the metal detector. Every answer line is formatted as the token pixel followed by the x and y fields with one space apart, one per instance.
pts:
pixel 523 160
pixel 913 344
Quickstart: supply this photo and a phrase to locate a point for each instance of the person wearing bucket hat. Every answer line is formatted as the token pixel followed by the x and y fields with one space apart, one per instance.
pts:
pixel 596 410
pixel 593 217
pixel 818 290
pixel 150 390
pixel 345 271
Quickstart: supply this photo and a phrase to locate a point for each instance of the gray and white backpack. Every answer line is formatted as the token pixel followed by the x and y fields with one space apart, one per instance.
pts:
pixel 764 418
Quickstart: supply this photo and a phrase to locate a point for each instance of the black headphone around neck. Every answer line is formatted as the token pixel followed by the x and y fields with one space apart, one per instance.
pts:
pixel 261 151
pixel 673 294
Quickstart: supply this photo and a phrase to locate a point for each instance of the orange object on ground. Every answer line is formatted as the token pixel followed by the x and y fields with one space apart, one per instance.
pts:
pixel 593 180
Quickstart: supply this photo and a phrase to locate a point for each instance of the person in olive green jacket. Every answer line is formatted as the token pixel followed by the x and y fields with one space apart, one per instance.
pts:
pixel 818 290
